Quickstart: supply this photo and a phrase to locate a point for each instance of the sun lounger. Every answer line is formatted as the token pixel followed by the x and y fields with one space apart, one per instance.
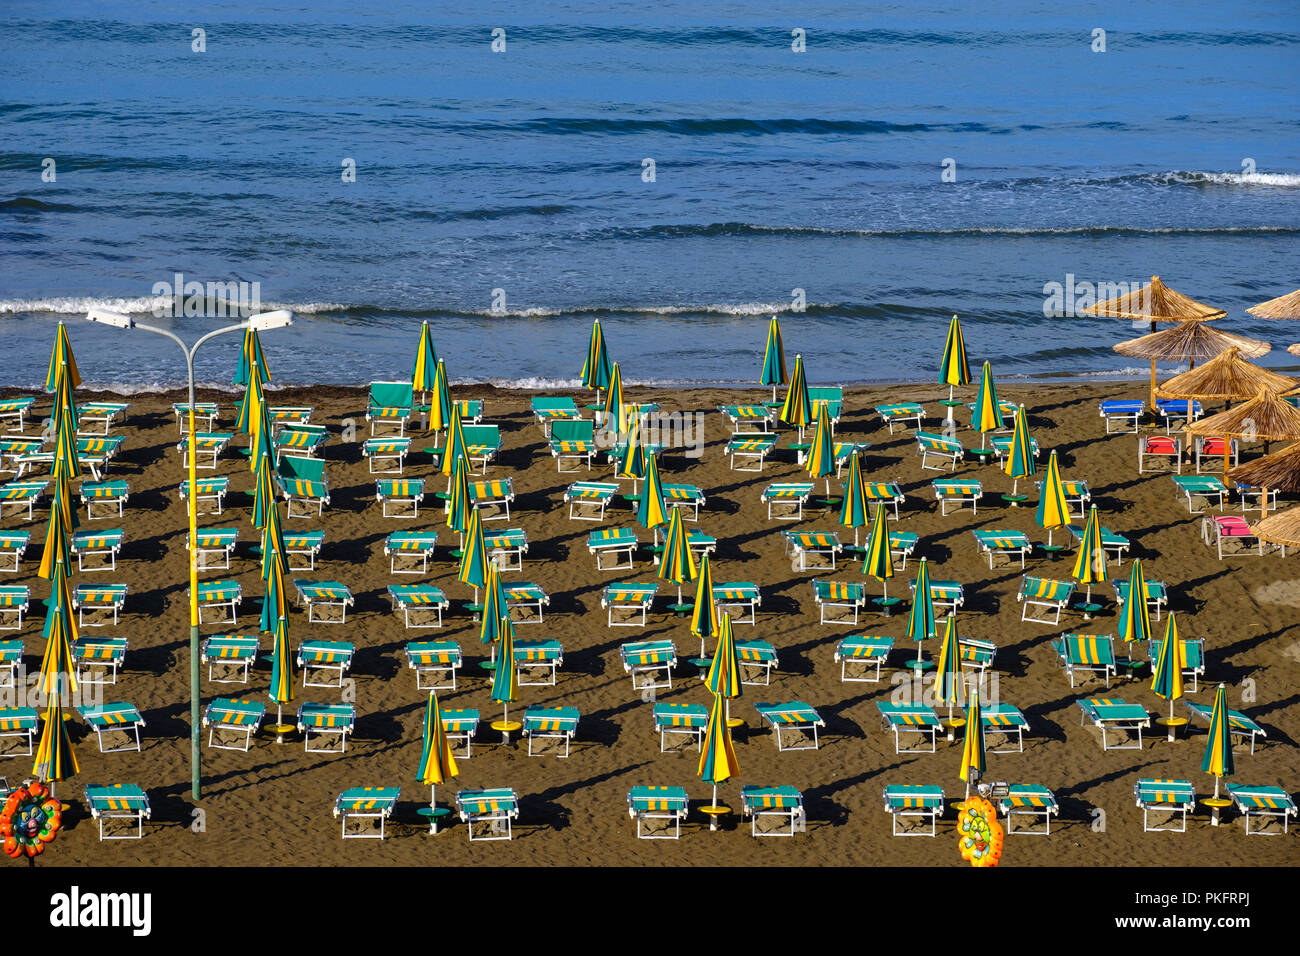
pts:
pixel 551 410
pixel 494 809
pixel 119 801
pixel 1212 449
pixel 1174 410
pixel 1127 412
pixel 787 495
pixel 471 410
pixel 120 718
pixel 326 720
pixel 461 724
pixel 389 404
pixel 611 542
pixel 11 655
pixel 434 661
pixel 1094 653
pixel 1029 800
pixel 21 723
pixel 283 415
pixel 883 493
pixel 939 446
pixel 102 598
pixel 301 543
pixel 410 546
pixel 1193 650
pixel 234 653
pixel 792 717
pixel 1115 545
pixel 202 410
pixel 499 492
pixel 14 601
pixel 1208 487
pixel 365 804
pixel 377 450
pixel 657 803
pixel 1044 592
pixel 538 661
pixel 1222 528
pixel 1262 802
pixel 651 661
pixel 862 651
pixel 618 453
pixel 482 442
pixel 848 595
pixel 756 659
pixel 976 655
pixel 20 495
pixel 1157 595
pixel 959 492
pixel 573 440
pixel 1009 544
pixel 208 447
pixel 901 413
pixel 785 804
pixel 401 495
pixel 913 800
pixel 28 464
pixel 1003 718
pixel 301 440
pixel 909 719
pixel 238 720
pixel 16 409
pixel 1176 797
pixel 506 548
pixel 1114 715
pixel 832 395
pixel 841 452
pixel 1239 725
pixel 741 599
pixel 14 448
pixel 700 544
pixel 302 482
pixel 688 720
pixel 626 596
pixel 528 596
pixel 751 446
pixel 746 417
pixel 800 544
pixel 206 489
pixel 588 495
pixel 314 595
pixel 555 723
pixel 684 497
pixel 901 546
pixel 224 595
pixel 1248 493
pixel 1162 447
pixel 945 595
pixel 1001 445
pixel 98 659
pixel 1007 409
pixel 421 604
pixel 108 495
pixel 330 656
pixel 218 543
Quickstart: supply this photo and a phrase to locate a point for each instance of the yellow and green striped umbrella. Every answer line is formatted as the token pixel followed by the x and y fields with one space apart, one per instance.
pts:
pixel 62 362
pixel 948 679
pixel 503 678
pixel 496 613
pixel 60 634
pixel 263 491
pixel 676 564
pixel 632 463
pixel 613 420
pixel 249 407
pixel 473 559
pixel 988 413
pixel 773 358
pixel 795 410
pixel 455 450
pixel 425 368
pixel 723 677
pixel 61 597
pixel 437 763
pixel 704 616
pixel 281 690
pixel 879 562
pixel 972 749
pixel 820 462
pixel 954 370
pixel 459 506
pixel 854 512
pixel 1218 744
pixel 273 554
pixel 275 601
pixel 717 758
pixel 55 759
pixel 1053 510
pixel 260 444
pixel 1020 463
pixel 1090 561
pixel 1167 676
pixel 595 370
pixel 920 622
pixel 440 401
pixel 66 460
pixel 57 548
pixel 251 357
pixel 1135 615
pixel 650 507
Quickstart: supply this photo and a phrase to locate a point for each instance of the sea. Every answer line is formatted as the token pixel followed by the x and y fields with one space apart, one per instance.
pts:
pixel 681 171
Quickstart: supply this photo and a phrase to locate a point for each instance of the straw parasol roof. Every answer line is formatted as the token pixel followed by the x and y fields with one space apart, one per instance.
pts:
pixel 1156 302
pixel 1226 376
pixel 1191 340
pixel 1281 528
pixel 1266 417
pixel 1283 307
pixel 1294 349
pixel 1279 471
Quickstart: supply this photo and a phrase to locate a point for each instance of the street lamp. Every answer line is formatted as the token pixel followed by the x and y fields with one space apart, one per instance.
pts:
pixel 260 322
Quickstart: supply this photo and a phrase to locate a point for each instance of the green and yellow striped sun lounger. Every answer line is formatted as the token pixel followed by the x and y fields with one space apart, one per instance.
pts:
pixel 884 493
pixel 1010 544
pixel 555 723
pixel 1157 595
pixel 206 489
pixel 687 720
pixel 207 446
pixel 365 804
pixel 1193 661
pixel 471 410
pixel 119 801
pixel 527 596
pixel 303 543
pixel 945 595
pixel 625 596
pixel 460 724
pixel 16 409
pixel 915 800
pixel 976 655
pixel 403 495
pixel 738 598
pixel 618 452
pixel 539 661
pixel 435 660
pixel 321 594
pixel 98 659
pixel 832 395
pixel 900 413
pixel 493 809
pixel 237 719
pixel 752 446
pixel 326 720
pixel 506 547
pixel 684 496
pixel 102 412
pixel 757 659
pixel 21 494
pixel 1001 445
pixel 850 595
pixel 234 653
pixel 100 448
pixel 748 416
pixel 648 660
pixel 573 440
pixel 1044 592
pixel 909 719
pixel 14 448
pixel 14 600
pixel 792 717
pixel 103 598
pixel 108 495
pixel 32 461
pixel 202 410
pixel 389 403
pixel 782 803
pixel 1176 797
pixel 1076 495
pixel 940 446
pixel 1115 715
pixel 700 543
pixel 551 410
pixel 20 723
pixel 378 450
pixel 862 651
pixel 225 595
pixel 841 452
pixel 1111 543
pixel 409 547
pixel 606 542
pixel 119 717
pixel 97 544
pixel 790 496
pixel 290 414
pixel 218 542
pixel 482 442
pixel 332 656
pixel 499 492
pixel 589 495
pixel 11 655
pixel 1029 800
pixel 421 604
pixel 1262 802
pixel 304 440
pixel 657 803
pixel 800 544
pixel 302 481
pixel 1003 718
pixel 1239 725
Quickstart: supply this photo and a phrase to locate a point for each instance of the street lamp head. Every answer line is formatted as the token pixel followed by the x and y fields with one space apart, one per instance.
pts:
pixel 277 319
pixel 116 319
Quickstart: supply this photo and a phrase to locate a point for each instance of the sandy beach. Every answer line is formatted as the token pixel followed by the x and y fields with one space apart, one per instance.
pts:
pixel 272 805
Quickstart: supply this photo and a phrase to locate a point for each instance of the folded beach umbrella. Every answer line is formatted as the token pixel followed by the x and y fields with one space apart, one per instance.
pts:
pixel 988 412
pixel 437 763
pixel 252 361
pixel 879 562
pixel 455 450
pixel 263 491
pixel 66 461
pixel 61 597
pixel 717 758
pixel 613 419
pixel 1020 463
pixel 55 759
pixel 596 370
pixel 281 689
pixel 425 368
pixel 948 679
pixel 260 444
pixel 854 512
pixel 440 400
pixel 1167 676
pixel 953 370
pixel 62 363
pixel 704 616
pixel 773 358
pixel 972 750
pixel 496 612
pixel 248 406
pixel 820 462
pixel 273 544
pixel 676 564
pixel 1053 510
pixel 920 622
pixel 1090 561
pixel 632 462
pixel 503 678
pixel 795 411
pixel 57 548
pixel 723 677
pixel 275 602
pixel 473 558
pixel 1135 615
pixel 650 507
pixel 1218 744
pixel 60 633
pixel 459 506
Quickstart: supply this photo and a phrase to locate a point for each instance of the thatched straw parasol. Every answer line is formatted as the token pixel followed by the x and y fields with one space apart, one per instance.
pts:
pixel 1279 471
pixel 1282 528
pixel 1266 417
pixel 1192 341
pixel 1294 349
pixel 1227 376
pixel 1283 307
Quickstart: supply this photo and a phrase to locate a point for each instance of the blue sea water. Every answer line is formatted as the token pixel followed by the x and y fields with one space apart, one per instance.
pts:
pixel 524 171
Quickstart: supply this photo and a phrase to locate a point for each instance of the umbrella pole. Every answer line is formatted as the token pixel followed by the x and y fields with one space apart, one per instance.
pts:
pixel 713 820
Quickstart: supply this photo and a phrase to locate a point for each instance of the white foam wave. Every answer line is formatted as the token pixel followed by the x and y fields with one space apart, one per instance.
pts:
pixel 139 305
pixel 1239 179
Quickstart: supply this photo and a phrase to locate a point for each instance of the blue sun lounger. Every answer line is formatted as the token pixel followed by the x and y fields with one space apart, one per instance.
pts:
pixel 98 659
pixel 365 804
pixel 1239 725
pixel 109 496
pixel 119 801
pixel 1176 797
pixel 793 717
pixel 550 723
pixel 588 495
pixel 901 413
pixel 909 719
pixel 421 604
pixel 329 656
pixel 784 804
pixel 539 661
pixel 657 803
pixel 800 544
pixel 687 720
pixel 790 496
pixel 409 547
pixel 1094 653
pixel 846 595
pixel 1174 410
pixel 957 491
pixel 400 497
pixel 237 720
pixel 1077 495
pixel 326 720
pixel 1114 715
pixel 863 651
pixel 752 446
pixel 628 596
pixel 234 653
pixel 119 717
pixel 21 723
pixel 1007 409
pixel 493 809
pixel 435 662
pixel 314 595
pixel 1262 802
pixel 613 542
pixel 206 489
pixel 1122 411
pixel 832 395
pixel 1032 801
pixel 1008 544
pixel 914 800
pixel 394 450
pixel 651 661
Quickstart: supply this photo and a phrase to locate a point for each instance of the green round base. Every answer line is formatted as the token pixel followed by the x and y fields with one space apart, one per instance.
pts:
pixel 488 665
pixel 1014 500
pixel 1088 610
pixel 916 665
pixel 885 604
pixel 681 610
